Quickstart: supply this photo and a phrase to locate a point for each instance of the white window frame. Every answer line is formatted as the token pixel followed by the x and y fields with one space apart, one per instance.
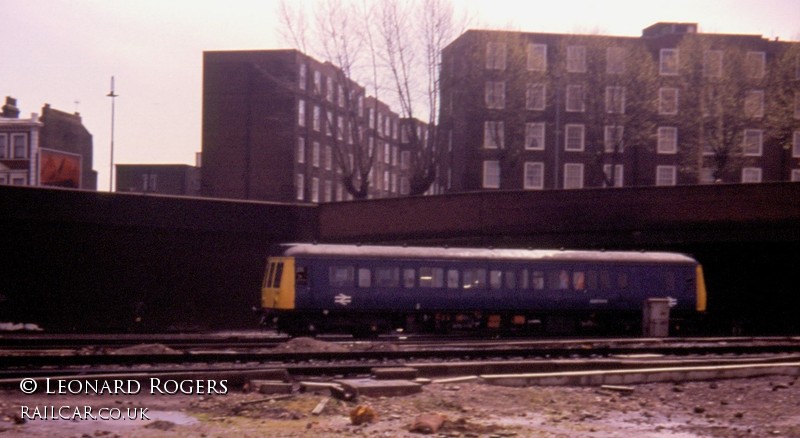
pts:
pixel 4 144
pixel 491 174
pixel 618 174
pixel 755 63
pixel 535 96
pixel 615 100
pixel 751 175
pixel 712 63
pixel 534 136
pixel 754 104
pixel 14 155
pixel 315 190
pixel 615 60
pixel 316 120
pixel 495 56
pixel 328 157
pixel 667 140
pixel 489 139
pixel 300 186
pixel 753 142
pixel 610 132
pixel 575 102
pixel 328 190
pixel 668 62
pixel 573 176
pixel 668 98
pixel 666 175
pixel 536 57
pixel 317 82
pixel 533 177
pixel 571 131
pixel 329 89
pixel 315 152
pixel 495 94
pixel 302 76
pixel 301 150
pixel 576 59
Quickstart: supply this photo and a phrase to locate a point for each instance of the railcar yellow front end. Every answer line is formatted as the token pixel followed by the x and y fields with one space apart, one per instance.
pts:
pixel 277 291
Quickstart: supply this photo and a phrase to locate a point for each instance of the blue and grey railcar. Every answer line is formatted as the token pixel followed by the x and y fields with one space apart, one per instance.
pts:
pixel 319 288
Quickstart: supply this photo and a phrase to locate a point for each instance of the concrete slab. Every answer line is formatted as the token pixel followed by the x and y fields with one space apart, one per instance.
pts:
pixel 395 373
pixel 380 388
pixel 271 386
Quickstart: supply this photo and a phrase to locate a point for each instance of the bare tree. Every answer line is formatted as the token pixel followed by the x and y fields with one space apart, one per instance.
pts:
pixel 783 100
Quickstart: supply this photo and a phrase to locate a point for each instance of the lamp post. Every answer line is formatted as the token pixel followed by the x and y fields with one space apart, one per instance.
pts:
pixel 113 97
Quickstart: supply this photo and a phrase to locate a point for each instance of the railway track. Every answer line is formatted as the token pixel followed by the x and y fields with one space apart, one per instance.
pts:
pixel 348 357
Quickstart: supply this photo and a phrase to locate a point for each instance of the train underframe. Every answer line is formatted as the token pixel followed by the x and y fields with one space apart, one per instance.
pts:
pixel 509 323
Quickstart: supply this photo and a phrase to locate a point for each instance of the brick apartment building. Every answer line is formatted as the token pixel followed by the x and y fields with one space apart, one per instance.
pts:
pixel 552 111
pixel 281 126
pixel 53 149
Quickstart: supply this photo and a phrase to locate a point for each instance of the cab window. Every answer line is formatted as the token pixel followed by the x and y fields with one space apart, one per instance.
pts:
pixel 341 276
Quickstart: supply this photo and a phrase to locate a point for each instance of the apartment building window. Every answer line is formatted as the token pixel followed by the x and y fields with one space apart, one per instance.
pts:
pixel 575 102
pixel 301 112
pixel 535 97
pixel 755 64
pixel 328 157
pixel 329 123
pixel 405 160
pixel 300 186
pixel 387 153
pixel 495 56
pixel 573 176
pixel 301 77
pixel 612 138
pixel 574 138
pixel 665 175
pixel 491 174
pixel 493 135
pixel 795 175
pixel 534 176
pixel 615 100
pixel 316 121
pixel 315 189
pixel 754 104
pixel 329 89
pixel 537 57
pixel 3 146
pixel 712 63
pixel 534 136
pixel 301 150
pixel 19 146
pixel 753 142
pixel 340 97
pixel 706 175
pixel 617 169
pixel 797 104
pixel 340 128
pixel 371 114
pixel 387 180
pixel 315 154
pixel 317 82
pixel 495 94
pixel 667 101
pixel 576 59
pixel 328 191
pixel 796 144
pixel 667 140
pixel 668 62
pixel 751 174
pixel 615 60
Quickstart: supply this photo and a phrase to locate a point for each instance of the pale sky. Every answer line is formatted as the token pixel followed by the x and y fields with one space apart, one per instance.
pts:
pixel 65 51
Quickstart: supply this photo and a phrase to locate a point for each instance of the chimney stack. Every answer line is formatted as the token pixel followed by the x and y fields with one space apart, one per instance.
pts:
pixel 10 109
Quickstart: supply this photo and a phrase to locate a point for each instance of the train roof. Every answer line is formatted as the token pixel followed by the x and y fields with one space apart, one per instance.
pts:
pixel 446 253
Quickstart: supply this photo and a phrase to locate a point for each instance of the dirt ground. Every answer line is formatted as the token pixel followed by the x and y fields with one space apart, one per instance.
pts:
pixel 758 407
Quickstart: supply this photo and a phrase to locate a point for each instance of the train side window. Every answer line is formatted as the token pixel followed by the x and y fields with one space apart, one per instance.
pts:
pixel 511 279
pixel 538 280
pixel 431 277
pixel 387 277
pixel 341 276
pixel 278 274
pixel 495 279
pixel 301 276
pixel 605 280
pixel 523 279
pixel 591 280
pixel 579 280
pixel 622 280
pixel 558 279
pixel 452 278
pixel 364 277
pixel 474 278
pixel 409 276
